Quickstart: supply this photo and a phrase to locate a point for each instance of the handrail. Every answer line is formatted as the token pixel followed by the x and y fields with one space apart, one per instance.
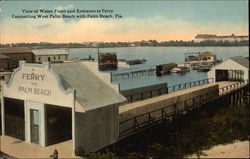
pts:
pixel 175 88
pixel 191 84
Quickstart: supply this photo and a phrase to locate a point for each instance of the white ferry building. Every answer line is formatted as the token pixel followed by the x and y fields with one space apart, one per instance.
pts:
pixel 46 104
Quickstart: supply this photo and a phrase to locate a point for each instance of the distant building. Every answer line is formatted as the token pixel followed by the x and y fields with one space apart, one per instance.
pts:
pixel 233 69
pixel 230 38
pixel 4 62
pixel 207 57
pixel 15 54
pixel 50 55
pixel 200 57
pixel 107 61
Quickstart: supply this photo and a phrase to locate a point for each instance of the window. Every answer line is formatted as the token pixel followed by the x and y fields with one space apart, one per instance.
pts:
pixel 48 58
pixel 54 57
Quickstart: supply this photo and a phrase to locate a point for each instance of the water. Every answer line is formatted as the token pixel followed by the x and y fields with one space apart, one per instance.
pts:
pixel 155 56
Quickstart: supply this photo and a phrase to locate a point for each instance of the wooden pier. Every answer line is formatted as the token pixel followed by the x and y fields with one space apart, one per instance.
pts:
pixel 132 74
pixel 135 117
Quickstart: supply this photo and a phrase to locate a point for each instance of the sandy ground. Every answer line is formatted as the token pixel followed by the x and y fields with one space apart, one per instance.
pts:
pixel 235 150
pixel 21 149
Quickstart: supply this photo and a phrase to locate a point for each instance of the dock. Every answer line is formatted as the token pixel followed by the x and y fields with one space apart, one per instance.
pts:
pixel 132 74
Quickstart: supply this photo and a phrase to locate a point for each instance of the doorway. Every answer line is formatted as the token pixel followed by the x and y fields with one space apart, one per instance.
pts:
pixel 14 118
pixel 58 118
pixel 34 126
pixel 221 75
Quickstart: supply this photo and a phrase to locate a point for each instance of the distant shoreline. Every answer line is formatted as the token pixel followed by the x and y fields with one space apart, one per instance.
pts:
pixel 149 43
pixel 124 47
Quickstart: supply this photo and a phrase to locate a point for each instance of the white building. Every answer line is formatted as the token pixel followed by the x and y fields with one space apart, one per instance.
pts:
pixel 50 55
pixel 207 57
pixel 46 104
pixel 230 38
pixel 233 69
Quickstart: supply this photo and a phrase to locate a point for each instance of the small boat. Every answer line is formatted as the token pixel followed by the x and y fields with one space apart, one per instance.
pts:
pixel 136 62
pixel 164 68
pixel 179 69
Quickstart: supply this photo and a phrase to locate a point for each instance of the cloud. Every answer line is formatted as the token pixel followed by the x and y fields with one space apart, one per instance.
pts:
pixel 125 29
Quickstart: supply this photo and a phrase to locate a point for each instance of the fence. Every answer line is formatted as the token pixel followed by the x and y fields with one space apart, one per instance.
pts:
pixel 143 93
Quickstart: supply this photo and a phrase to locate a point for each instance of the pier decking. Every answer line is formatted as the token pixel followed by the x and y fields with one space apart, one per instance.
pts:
pixel 138 115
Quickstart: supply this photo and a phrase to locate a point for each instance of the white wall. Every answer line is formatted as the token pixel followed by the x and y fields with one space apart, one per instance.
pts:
pixel 228 65
pixel 22 86
pixel 97 128
pixel 44 58
pixel 37 84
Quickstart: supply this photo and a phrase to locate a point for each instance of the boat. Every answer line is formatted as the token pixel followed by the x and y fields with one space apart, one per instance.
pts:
pixel 136 62
pixel 164 68
pixel 179 69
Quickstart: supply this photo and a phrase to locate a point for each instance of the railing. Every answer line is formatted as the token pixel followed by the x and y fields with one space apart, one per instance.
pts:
pixel 142 121
pixel 186 85
pixel 232 87
pixel 168 89
pixel 115 76
pixel 145 92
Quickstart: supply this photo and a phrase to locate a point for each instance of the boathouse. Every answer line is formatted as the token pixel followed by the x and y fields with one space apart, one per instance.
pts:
pixel 234 69
pixel 48 103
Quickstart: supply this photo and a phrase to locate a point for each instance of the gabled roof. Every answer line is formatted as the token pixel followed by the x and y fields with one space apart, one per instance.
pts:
pixel 91 92
pixel 244 61
pixel 15 50
pixel 207 53
pixel 50 52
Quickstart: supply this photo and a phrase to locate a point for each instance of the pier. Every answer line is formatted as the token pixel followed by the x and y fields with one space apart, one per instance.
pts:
pixel 135 117
pixel 131 74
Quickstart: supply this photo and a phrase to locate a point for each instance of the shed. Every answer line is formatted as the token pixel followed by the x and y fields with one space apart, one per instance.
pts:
pixel 233 69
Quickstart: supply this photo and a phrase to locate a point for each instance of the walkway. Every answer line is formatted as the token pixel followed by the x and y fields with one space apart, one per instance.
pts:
pixel 22 149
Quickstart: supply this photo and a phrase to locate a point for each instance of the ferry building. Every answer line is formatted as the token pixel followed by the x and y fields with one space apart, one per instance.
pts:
pixel 46 104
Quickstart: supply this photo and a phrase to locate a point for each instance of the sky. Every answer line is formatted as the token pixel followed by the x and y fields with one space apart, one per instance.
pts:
pixel 141 20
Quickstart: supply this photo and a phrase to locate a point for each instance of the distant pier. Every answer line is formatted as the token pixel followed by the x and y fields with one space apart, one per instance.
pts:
pixel 131 74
